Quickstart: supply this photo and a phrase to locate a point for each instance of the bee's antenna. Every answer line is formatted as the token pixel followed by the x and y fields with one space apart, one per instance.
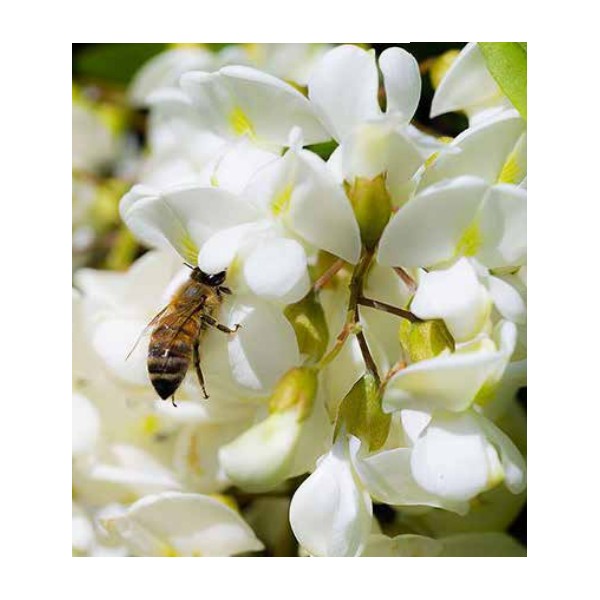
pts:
pixel 188 266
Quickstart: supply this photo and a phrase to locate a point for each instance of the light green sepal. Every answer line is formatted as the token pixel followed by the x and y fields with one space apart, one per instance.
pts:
pixel 425 339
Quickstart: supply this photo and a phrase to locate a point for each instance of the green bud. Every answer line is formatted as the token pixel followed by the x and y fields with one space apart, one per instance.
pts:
pixel 425 339
pixel 308 320
pixel 296 389
pixel 372 207
pixel 361 413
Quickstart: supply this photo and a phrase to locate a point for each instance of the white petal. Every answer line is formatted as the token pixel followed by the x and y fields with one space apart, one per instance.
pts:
pixel 264 348
pixel 508 301
pixel 512 461
pixel 243 101
pixel 220 249
pixel 176 524
pixel 182 217
pixel 277 269
pixel 453 458
pixel 402 81
pixel 315 192
pixel 260 458
pixel 503 226
pixel 343 87
pixel 429 227
pixel 330 513
pixel 376 147
pixel 481 151
pixel 456 296
pixel 86 425
pixel 414 423
pixel 466 85
pixel 448 381
pixel 164 70
pixel 388 477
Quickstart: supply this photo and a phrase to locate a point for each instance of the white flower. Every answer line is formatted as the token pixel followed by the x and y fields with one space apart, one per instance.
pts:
pixel 176 524
pixel 331 511
pixel 452 381
pixel 463 216
pixel 344 90
pixel 467 86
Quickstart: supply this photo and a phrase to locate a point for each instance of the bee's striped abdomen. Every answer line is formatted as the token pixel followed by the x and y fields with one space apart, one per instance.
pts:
pixel 170 351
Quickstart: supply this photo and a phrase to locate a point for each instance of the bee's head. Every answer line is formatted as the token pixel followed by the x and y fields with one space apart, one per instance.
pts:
pixel 214 280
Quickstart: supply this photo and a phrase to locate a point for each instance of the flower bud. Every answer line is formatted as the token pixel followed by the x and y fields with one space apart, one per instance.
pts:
pixel 361 413
pixel 425 339
pixel 296 389
pixel 308 320
pixel 372 207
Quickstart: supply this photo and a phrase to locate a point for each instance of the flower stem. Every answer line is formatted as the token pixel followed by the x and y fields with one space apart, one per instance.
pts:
pixel 399 312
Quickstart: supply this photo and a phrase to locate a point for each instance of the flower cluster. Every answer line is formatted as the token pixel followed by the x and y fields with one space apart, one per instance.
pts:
pixel 378 281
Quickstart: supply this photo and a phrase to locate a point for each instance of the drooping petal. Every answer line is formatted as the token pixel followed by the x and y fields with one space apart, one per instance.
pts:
pixel 276 269
pixel 388 477
pixel 402 82
pixel 343 88
pixel 453 458
pixel 239 101
pixel 265 346
pixel 508 301
pixel 177 524
pixel 467 85
pixel 428 228
pixel 183 218
pixel 456 296
pixel 331 513
pixel 481 151
pixel 481 544
pixel 503 227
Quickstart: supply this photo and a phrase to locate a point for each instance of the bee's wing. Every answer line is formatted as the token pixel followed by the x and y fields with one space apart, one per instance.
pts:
pixel 146 330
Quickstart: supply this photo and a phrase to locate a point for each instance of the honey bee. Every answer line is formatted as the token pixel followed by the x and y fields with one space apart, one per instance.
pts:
pixel 177 330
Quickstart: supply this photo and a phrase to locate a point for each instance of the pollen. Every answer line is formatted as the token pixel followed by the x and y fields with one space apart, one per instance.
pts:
pixel 150 424
pixel 240 123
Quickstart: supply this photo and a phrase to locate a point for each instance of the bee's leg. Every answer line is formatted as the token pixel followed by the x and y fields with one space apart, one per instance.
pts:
pixel 214 323
pixel 173 400
pixel 224 290
pixel 198 369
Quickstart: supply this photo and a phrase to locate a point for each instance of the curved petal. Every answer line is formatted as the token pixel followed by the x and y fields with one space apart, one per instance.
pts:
pixel 453 459
pixel 164 71
pixel 508 301
pixel 330 513
pixel 260 458
pixel 277 269
pixel 503 227
pixel 428 229
pixel 315 192
pixel 466 85
pixel 482 151
pixel 402 81
pixel 402 545
pixel 343 88
pixel 239 101
pixel 176 524
pixel 183 217
pixel 264 348
pixel 481 544
pixel 456 296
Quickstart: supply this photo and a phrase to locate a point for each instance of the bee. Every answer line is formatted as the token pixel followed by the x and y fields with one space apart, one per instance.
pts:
pixel 178 328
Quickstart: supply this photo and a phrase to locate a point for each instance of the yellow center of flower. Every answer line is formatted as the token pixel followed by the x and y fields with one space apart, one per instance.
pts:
pixel 240 123
pixel 470 242
pixel 281 203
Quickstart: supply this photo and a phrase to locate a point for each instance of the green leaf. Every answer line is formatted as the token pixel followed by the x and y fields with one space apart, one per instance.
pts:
pixel 507 63
pixel 114 63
